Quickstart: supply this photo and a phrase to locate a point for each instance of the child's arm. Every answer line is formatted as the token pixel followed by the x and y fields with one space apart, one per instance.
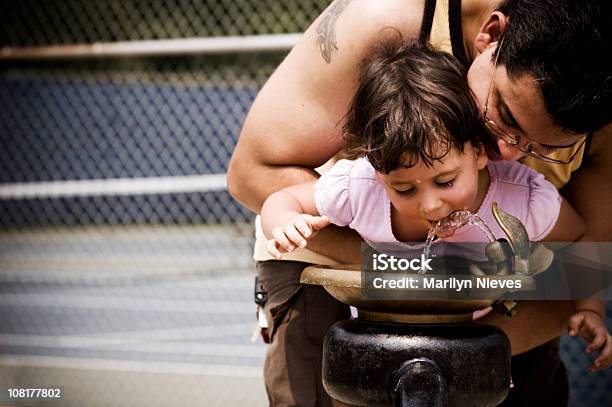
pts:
pixel 289 218
pixel 588 323
pixel 569 226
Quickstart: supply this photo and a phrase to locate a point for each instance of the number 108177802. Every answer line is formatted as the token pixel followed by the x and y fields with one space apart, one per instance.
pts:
pixel 35 392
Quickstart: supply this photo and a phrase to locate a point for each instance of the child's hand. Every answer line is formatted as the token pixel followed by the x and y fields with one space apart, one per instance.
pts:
pixel 590 327
pixel 295 233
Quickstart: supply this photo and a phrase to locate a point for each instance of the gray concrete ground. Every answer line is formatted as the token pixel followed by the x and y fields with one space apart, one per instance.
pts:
pixel 155 316
pixel 151 316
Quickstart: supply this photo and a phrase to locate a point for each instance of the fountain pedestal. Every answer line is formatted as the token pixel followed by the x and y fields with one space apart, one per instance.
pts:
pixel 369 363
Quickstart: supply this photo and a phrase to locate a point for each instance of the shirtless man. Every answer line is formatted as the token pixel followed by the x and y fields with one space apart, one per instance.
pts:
pixel 295 126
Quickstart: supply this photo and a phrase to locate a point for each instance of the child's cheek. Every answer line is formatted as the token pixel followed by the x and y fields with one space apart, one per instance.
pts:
pixel 464 197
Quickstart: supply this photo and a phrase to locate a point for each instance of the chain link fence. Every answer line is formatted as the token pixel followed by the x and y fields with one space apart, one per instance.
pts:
pixel 79 21
pixel 125 267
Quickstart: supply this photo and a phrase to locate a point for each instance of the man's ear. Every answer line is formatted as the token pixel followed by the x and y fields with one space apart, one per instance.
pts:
pixel 491 30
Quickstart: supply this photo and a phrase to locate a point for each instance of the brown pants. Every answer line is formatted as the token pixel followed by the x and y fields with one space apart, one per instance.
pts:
pixel 298 318
pixel 300 315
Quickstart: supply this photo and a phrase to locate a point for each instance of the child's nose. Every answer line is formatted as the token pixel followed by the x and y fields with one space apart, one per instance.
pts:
pixel 430 203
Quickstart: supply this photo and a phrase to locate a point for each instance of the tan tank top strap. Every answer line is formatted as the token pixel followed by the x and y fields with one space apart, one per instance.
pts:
pixel 440 30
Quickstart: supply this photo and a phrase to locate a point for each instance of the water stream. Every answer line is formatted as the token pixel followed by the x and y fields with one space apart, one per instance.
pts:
pixel 453 222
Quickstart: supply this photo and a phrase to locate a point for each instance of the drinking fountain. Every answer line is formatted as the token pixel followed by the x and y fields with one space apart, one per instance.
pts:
pixel 421 347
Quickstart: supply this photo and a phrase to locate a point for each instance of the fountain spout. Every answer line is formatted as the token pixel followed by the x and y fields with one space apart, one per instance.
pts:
pixel 518 238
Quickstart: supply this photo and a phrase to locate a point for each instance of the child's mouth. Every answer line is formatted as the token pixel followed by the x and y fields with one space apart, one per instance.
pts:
pixel 443 227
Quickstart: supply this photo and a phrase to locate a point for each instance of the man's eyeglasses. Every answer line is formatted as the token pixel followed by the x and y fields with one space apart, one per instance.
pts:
pixel 529 147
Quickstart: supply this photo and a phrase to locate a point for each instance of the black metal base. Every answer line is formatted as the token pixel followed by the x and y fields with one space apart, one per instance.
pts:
pixel 386 364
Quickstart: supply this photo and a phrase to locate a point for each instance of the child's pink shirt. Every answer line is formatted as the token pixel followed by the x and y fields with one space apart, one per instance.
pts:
pixel 351 195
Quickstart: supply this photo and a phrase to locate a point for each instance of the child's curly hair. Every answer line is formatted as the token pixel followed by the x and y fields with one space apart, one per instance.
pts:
pixel 413 104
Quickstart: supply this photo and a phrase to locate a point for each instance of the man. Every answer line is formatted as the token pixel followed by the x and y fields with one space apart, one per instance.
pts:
pixel 551 86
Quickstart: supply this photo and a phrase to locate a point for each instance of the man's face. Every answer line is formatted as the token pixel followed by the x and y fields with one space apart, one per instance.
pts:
pixel 516 107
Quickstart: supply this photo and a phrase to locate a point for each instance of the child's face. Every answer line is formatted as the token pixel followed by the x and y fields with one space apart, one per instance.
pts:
pixel 427 194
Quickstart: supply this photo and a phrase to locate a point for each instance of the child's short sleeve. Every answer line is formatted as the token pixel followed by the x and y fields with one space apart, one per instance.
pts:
pixel 331 195
pixel 543 207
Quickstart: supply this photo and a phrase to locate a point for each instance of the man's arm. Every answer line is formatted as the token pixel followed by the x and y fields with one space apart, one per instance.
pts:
pixel 590 189
pixel 295 122
pixel 590 193
pixel 569 226
pixel 535 323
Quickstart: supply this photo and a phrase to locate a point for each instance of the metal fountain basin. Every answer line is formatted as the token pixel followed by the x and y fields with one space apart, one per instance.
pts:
pixel 517 259
pixel 343 282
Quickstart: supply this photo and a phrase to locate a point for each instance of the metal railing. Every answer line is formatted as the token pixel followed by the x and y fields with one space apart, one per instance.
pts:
pixel 155 48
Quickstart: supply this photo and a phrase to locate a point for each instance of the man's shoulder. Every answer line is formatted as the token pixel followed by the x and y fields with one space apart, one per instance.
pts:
pixel 403 16
pixel 600 145
pixel 389 9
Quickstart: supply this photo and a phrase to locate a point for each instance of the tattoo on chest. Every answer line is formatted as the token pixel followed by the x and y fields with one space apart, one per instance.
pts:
pixel 326 30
